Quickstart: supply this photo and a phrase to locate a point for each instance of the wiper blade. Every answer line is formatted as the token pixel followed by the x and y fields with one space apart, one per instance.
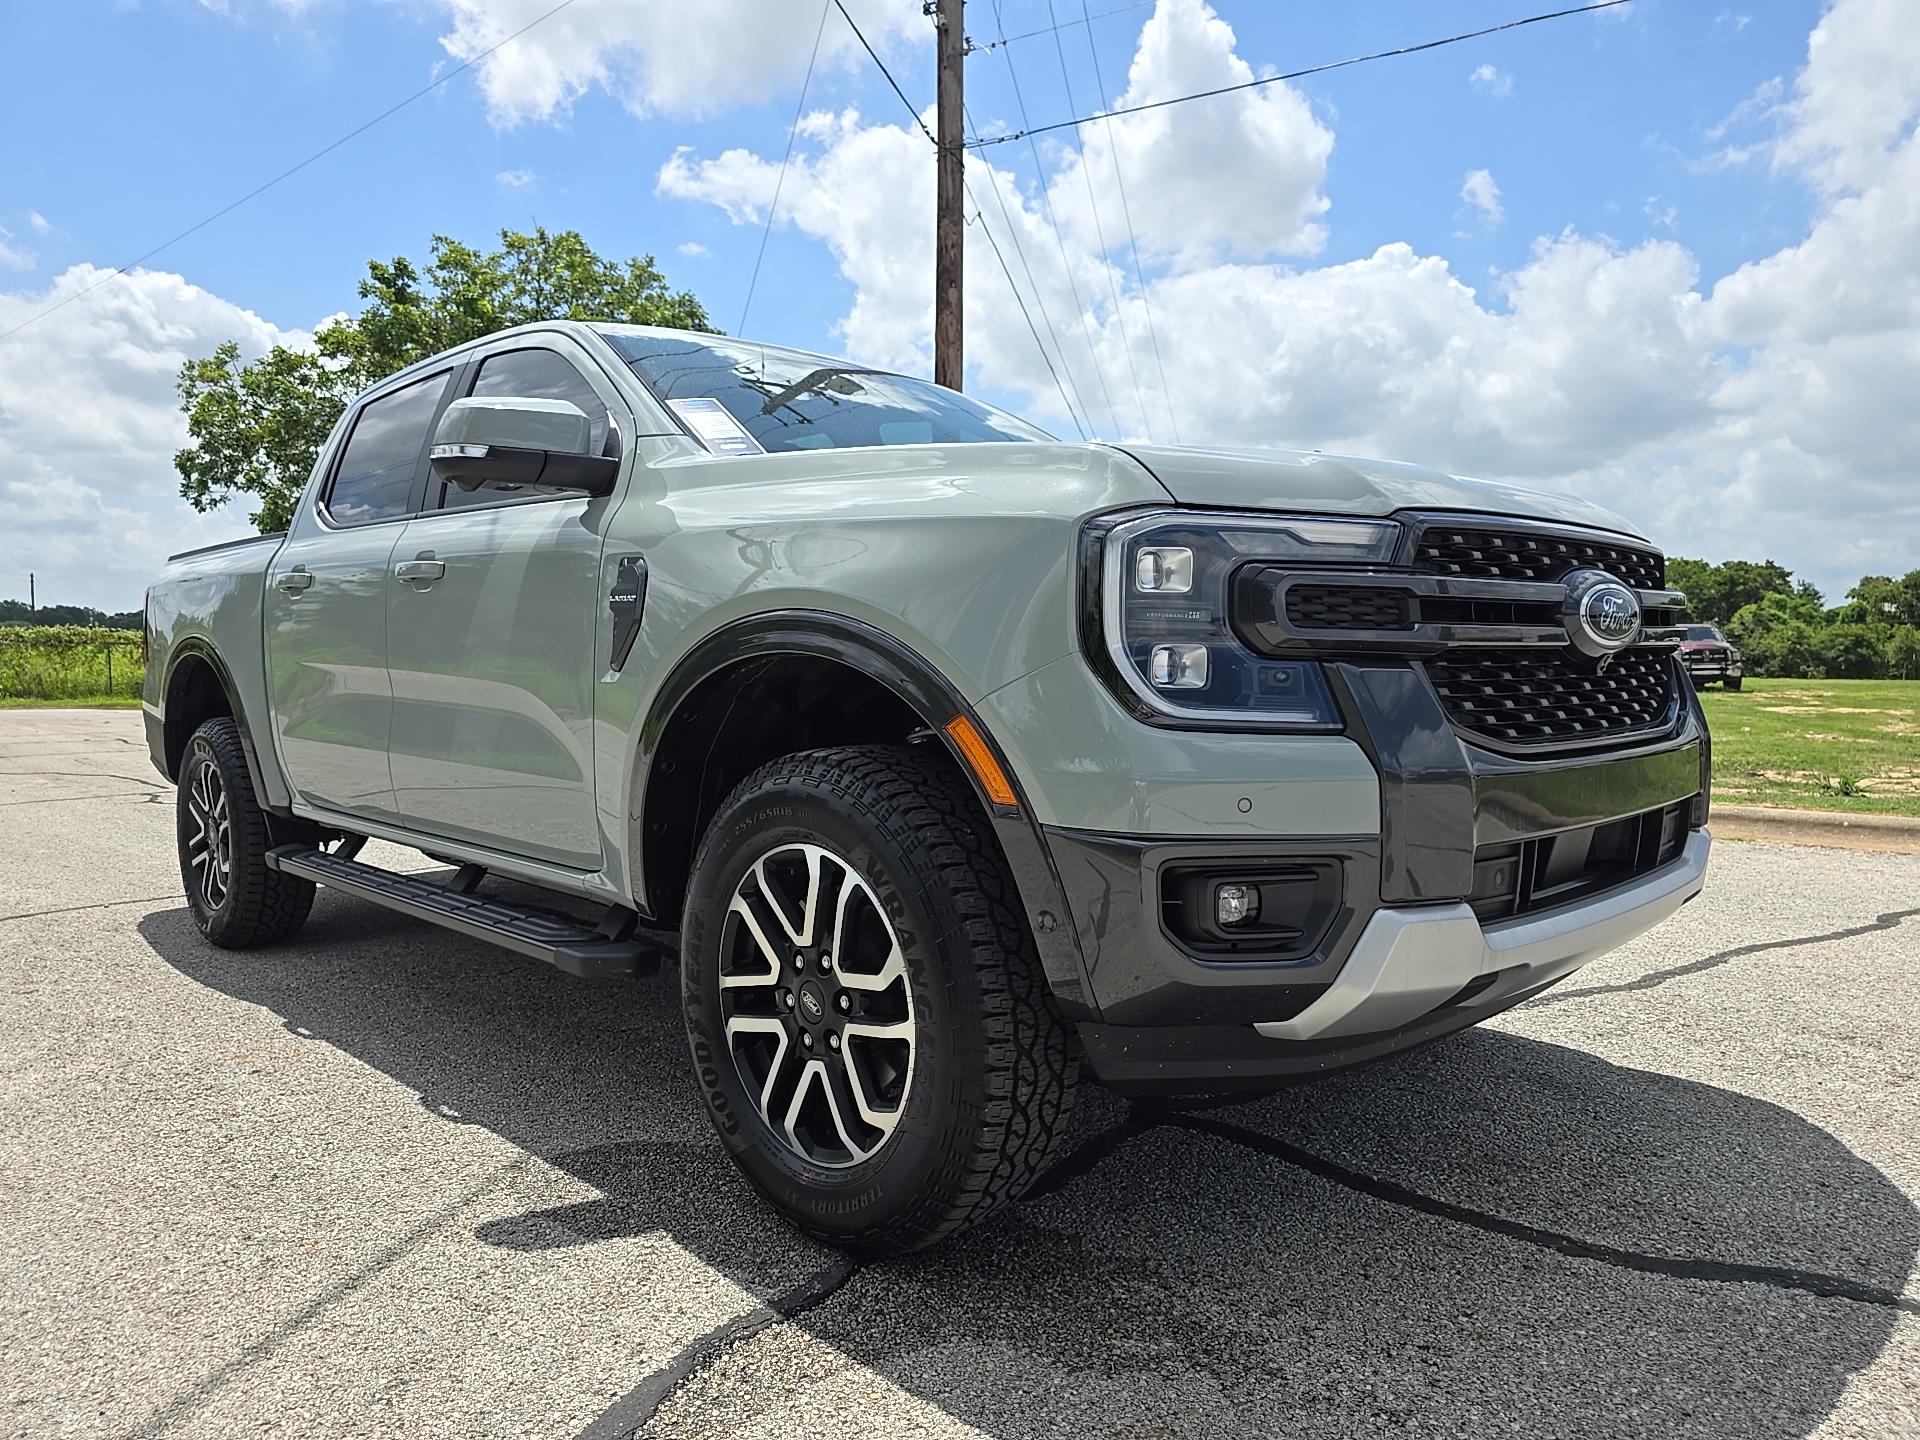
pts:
pixel 815 380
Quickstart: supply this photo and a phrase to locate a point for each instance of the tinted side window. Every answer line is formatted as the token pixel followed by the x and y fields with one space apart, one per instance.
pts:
pixel 535 374
pixel 374 480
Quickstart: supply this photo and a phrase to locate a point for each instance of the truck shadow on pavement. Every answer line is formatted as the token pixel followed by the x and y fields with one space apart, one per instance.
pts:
pixel 1180 1280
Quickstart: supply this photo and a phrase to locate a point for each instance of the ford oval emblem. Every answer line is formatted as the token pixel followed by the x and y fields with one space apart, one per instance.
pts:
pixel 1601 614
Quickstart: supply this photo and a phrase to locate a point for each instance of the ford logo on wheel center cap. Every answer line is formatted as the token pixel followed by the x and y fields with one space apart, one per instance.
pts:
pixel 1601 614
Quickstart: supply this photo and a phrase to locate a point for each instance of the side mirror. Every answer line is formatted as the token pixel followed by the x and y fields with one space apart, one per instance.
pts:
pixel 514 442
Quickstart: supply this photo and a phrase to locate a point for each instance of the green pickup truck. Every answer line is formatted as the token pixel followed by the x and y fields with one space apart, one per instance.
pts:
pixel 951 761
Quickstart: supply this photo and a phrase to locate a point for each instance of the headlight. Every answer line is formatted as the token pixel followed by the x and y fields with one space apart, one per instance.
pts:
pixel 1159 589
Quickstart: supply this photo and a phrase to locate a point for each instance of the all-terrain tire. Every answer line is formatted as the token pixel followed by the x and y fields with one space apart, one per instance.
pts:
pixel 235 899
pixel 1731 684
pixel 985 1097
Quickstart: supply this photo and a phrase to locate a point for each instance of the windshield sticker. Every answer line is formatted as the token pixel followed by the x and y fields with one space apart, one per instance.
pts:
pixel 716 427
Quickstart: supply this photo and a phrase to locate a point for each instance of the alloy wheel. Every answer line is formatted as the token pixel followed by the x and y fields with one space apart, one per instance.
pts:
pixel 210 847
pixel 817 1005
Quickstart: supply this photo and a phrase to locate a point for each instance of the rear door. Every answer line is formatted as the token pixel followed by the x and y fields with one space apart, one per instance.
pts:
pixel 325 606
pixel 490 643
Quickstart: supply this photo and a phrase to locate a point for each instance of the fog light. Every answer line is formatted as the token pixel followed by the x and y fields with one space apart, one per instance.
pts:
pixel 1236 904
pixel 1179 667
pixel 1163 569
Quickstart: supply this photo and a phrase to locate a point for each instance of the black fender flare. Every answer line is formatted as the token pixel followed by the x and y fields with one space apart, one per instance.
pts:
pixel 921 686
pixel 197 648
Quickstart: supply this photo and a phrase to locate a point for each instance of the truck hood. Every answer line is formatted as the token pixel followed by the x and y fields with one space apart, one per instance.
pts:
pixel 1340 485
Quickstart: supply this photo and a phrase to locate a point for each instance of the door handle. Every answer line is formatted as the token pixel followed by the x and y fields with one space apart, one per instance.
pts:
pixel 295 580
pixel 420 569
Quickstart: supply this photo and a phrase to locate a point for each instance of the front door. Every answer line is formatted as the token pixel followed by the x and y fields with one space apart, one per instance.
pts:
pixel 325 607
pixel 491 652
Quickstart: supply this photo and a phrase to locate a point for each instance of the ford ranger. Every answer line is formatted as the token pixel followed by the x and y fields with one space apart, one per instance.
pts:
pixel 949 761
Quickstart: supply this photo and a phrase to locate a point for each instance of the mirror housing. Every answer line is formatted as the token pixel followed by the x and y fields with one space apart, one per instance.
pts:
pixel 517 442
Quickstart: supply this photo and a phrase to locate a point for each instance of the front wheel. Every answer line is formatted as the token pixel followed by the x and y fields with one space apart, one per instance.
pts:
pixel 236 899
pixel 1732 683
pixel 870 1026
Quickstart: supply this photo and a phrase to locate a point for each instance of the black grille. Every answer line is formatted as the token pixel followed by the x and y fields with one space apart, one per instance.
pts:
pixel 1338 607
pixel 1521 555
pixel 1538 697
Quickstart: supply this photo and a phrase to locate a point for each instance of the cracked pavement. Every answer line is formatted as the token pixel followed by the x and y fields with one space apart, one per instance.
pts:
pixel 384 1180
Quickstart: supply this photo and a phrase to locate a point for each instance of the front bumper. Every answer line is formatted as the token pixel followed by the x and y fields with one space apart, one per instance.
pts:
pixel 1410 962
pixel 1415 974
pixel 1710 666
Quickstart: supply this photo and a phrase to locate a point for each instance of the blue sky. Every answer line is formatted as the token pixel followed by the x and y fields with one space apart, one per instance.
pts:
pixel 125 123
pixel 1644 143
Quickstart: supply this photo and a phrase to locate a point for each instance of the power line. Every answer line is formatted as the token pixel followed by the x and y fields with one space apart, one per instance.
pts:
pixel 1087 20
pixel 1012 234
pixel 1133 241
pixel 1066 265
pixel 874 56
pixel 1293 74
pixel 291 170
pixel 1046 359
pixel 1100 233
pixel 781 179
pixel 1039 299
pixel 878 62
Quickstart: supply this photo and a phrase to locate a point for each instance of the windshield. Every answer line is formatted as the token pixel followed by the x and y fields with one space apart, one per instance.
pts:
pixel 787 400
pixel 1702 632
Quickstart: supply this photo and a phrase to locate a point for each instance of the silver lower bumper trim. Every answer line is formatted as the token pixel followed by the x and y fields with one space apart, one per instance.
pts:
pixel 1408 962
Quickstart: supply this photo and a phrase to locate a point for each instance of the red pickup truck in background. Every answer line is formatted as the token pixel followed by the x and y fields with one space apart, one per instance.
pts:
pixel 1709 657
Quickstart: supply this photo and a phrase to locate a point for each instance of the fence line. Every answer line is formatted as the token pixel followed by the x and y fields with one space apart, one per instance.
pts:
pixel 69 662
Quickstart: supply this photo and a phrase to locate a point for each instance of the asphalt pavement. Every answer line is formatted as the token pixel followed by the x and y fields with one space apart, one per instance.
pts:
pixel 387 1181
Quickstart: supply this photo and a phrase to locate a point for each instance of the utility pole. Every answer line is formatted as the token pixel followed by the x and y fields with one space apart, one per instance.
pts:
pixel 949 243
pixel 33 596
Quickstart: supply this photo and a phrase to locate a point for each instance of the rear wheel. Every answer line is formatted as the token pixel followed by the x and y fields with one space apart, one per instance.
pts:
pixel 235 899
pixel 870 1027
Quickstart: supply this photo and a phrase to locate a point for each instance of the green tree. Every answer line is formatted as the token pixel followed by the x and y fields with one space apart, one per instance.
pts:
pixel 1779 634
pixel 1717 593
pixel 1889 601
pixel 1903 653
pixel 256 428
pixel 1853 652
pixel 16 612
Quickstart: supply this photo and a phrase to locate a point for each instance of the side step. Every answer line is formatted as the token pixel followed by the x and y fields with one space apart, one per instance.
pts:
pixel 607 951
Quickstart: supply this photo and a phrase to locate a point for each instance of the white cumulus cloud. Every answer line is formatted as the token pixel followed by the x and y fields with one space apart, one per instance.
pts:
pixel 1234 175
pixel 14 257
pixel 89 421
pixel 660 56
pixel 1767 414
pixel 1479 191
pixel 1494 82
pixel 1855 103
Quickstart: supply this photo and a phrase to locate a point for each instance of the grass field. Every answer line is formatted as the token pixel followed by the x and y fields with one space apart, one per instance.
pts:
pixel 44 665
pixel 1818 744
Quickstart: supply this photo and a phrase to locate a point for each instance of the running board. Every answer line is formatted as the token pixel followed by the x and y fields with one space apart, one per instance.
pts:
pixel 607 951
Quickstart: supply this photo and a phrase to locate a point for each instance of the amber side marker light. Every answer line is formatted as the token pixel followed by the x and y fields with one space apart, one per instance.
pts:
pixel 992 778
